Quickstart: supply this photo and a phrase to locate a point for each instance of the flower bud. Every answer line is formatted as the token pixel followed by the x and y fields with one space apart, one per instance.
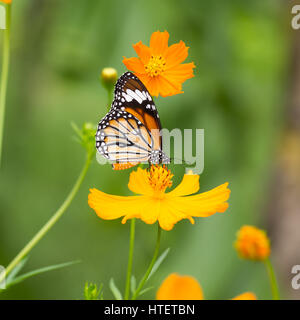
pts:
pixel 252 243
pixel 91 292
pixel 86 136
pixel 108 78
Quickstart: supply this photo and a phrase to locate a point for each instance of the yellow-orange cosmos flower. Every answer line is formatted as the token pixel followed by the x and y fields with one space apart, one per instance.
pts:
pixel 159 66
pixel 177 287
pixel 246 296
pixel 6 1
pixel 252 243
pixel 154 204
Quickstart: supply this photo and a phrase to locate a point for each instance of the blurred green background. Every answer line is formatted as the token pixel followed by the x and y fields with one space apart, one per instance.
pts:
pixel 241 50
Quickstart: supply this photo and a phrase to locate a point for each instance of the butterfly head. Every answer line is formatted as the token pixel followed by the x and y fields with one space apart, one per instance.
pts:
pixel 158 156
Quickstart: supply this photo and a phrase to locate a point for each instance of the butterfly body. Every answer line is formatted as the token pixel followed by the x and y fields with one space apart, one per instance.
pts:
pixel 130 132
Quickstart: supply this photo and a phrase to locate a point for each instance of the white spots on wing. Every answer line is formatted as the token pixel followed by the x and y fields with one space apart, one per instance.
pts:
pixel 148 96
pixel 142 95
pixel 127 97
pixel 133 95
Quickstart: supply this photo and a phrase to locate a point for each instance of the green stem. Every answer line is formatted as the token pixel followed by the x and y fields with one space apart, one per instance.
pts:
pixel 109 97
pixel 273 281
pixel 51 222
pixel 145 278
pixel 4 74
pixel 130 259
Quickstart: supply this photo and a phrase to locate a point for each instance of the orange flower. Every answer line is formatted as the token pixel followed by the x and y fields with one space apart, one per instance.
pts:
pixel 246 296
pixel 177 287
pixel 160 67
pixel 252 243
pixel 154 204
pixel 6 1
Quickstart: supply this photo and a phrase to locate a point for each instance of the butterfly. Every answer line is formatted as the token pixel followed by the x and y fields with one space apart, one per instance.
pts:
pixel 129 134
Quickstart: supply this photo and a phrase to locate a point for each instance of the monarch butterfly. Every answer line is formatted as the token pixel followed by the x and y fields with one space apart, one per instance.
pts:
pixel 129 134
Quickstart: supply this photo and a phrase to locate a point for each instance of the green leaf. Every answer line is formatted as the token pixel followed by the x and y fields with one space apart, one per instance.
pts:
pixel 115 291
pixel 16 270
pixel 86 136
pixel 133 284
pixel 76 129
pixel 39 271
pixel 145 290
pixel 92 293
pixel 158 262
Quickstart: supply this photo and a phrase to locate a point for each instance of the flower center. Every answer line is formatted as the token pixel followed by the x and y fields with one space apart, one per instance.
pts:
pixel 159 179
pixel 156 66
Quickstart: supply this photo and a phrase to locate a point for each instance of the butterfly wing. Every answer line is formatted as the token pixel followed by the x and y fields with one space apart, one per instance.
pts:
pixel 123 139
pixel 132 96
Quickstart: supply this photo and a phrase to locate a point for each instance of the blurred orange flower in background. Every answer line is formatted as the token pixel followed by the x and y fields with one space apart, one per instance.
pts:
pixel 159 66
pixel 246 296
pixel 154 204
pixel 252 243
pixel 6 1
pixel 177 287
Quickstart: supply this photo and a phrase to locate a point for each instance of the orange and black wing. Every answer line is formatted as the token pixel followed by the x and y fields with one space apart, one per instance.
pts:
pixel 132 96
pixel 123 139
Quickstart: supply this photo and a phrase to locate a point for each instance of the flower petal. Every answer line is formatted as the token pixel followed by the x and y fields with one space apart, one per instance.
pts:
pixel 142 51
pixel 153 85
pixel 176 287
pixel 246 296
pixel 139 182
pixel 204 204
pixel 189 185
pixel 167 88
pixel 149 211
pixel 169 215
pixel 134 64
pixel 144 78
pixel 159 42
pixel 178 74
pixel 176 54
pixel 109 207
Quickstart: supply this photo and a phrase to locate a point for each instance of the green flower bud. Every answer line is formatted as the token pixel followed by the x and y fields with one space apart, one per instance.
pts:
pixel 91 292
pixel 108 78
pixel 86 136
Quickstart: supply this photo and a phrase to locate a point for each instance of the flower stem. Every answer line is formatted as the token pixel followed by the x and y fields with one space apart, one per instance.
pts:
pixel 4 74
pixel 145 278
pixel 33 242
pixel 130 259
pixel 109 96
pixel 273 281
